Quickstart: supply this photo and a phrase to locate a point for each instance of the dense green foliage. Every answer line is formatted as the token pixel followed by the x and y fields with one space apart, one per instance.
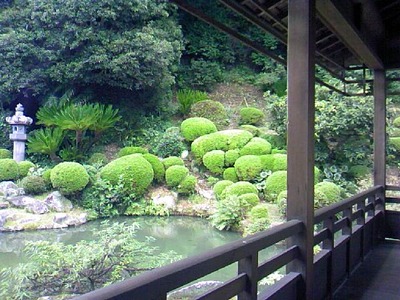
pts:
pixel 214 161
pixel 24 167
pixel 5 153
pixel 275 184
pixel 33 185
pixel 174 175
pixel 69 177
pixel 251 116
pixel 131 150
pixel 256 146
pixel 193 128
pixel 172 161
pixel 211 110
pixel 248 167
pixel 157 165
pixel 220 186
pixel 8 169
pixel 239 188
pixel 187 97
pixel 229 213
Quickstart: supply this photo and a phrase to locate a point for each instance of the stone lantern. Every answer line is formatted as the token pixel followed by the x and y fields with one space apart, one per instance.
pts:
pixel 18 123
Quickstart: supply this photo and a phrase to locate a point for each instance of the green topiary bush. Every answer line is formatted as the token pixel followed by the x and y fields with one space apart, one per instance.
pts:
pixel 256 146
pixel 258 219
pixel 281 201
pixel 131 150
pixel 69 177
pixel 396 122
pixel 250 198
pixel 248 167
pixel 267 161
pixel 320 199
pixel 172 161
pixel 212 110
pixel 220 186
pixel 254 130
pixel 231 156
pixel 251 115
pixel 5 153
pixel 174 175
pixel 260 211
pixel 157 165
pixel 280 162
pixel 171 143
pixel 330 189
pixel 134 170
pixel 275 184
pixel 24 167
pixel 33 185
pixel 230 174
pixel 214 161
pixel 359 171
pixel 239 188
pixel 98 159
pixel 193 128
pixel 187 185
pixel 8 169
pixel 395 142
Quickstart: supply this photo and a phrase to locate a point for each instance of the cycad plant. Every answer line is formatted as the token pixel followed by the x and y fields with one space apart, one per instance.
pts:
pixel 186 98
pixel 46 141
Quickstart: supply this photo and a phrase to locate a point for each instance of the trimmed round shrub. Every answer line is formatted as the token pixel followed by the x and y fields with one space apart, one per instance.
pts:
pixel 320 199
pixel 250 198
pixel 214 161
pixel 220 186
pixel 395 142
pixel 230 157
pixel 360 171
pixel 239 188
pixel 251 128
pixel 230 174
pixel 193 128
pixel 256 146
pixel 157 165
pixel 396 122
pixel 260 211
pixel 69 177
pixel 174 175
pixel 46 177
pixel 131 150
pixel 8 169
pixel 187 185
pixel 24 167
pixel 248 167
pixel 251 115
pixel 212 110
pixel 275 184
pixel 172 161
pixel 330 189
pixel 98 158
pixel 33 185
pixel 5 153
pixel 267 161
pixel 134 171
pixel 280 162
pixel 222 140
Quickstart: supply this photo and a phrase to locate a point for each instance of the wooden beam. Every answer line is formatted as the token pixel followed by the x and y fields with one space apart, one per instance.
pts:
pixel 333 16
pixel 301 81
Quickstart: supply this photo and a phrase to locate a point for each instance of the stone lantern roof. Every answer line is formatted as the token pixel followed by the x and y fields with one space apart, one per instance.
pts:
pixel 19 118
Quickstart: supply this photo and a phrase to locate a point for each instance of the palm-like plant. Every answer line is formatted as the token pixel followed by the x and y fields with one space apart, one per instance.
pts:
pixel 46 141
pixel 106 118
pixel 188 97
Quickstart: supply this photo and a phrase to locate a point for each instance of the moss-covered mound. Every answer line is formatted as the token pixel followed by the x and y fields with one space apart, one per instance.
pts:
pixel 230 174
pixel 187 185
pixel 174 175
pixel 131 150
pixel 69 177
pixel 33 185
pixel 8 169
pixel 220 186
pixel 222 140
pixel 267 161
pixel 212 110
pixel 231 156
pixel 260 211
pixel 275 184
pixel 172 161
pixel 214 161
pixel 330 189
pixel 248 167
pixel 254 130
pixel 359 171
pixel 239 188
pixel 193 128
pixel 395 142
pixel 280 162
pixel 24 167
pixel 5 153
pixel 135 171
pixel 157 165
pixel 250 198
pixel 251 115
pixel 256 146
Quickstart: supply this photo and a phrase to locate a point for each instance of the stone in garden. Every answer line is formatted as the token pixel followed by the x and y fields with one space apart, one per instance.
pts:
pixel 21 201
pixel 57 202
pixel 9 189
pixel 4 205
pixel 60 218
pixel 37 208
pixel 163 196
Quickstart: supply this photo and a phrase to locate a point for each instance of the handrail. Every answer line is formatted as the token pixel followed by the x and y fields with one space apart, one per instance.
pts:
pixel 157 283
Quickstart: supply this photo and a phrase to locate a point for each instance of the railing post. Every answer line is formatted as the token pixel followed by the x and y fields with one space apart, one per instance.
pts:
pixel 361 222
pixel 347 213
pixel 329 244
pixel 249 266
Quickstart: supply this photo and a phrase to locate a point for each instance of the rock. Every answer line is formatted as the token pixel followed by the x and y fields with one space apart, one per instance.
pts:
pixel 64 220
pixel 57 202
pixel 60 218
pixel 37 208
pixel 3 220
pixel 24 222
pixel 21 201
pixel 10 189
pixel 4 205
pixel 163 196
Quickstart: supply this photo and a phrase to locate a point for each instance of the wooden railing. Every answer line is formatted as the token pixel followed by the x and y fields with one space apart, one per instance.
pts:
pixel 392 216
pixel 345 232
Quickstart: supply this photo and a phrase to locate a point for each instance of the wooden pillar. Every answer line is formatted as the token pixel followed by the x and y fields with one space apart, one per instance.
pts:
pixel 301 82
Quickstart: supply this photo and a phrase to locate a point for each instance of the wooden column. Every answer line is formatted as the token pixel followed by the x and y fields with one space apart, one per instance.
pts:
pixel 301 81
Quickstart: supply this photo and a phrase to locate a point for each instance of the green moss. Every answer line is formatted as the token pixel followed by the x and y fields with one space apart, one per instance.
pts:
pixel 260 211
pixel 280 162
pixel 251 115
pixel 396 122
pixel 212 110
pixel 69 177
pixel 5 153
pixel 360 171
pixel 131 150
pixel 254 130
pixel 214 161
pixel 24 167
pixel 395 142
pixel 275 184
pixel 172 161
pixel 174 175
pixel 98 159
pixel 250 198
pixel 248 167
pixel 187 185
pixel 231 156
pixel 8 169
pixel 220 186
pixel 267 162
pixel 256 146
pixel 134 170
pixel 239 188
pixel 193 128
pixel 330 189
pixel 230 174
pixel 33 185
pixel 157 165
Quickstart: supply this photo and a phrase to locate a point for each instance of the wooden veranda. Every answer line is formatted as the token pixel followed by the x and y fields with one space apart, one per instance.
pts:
pixel 340 36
